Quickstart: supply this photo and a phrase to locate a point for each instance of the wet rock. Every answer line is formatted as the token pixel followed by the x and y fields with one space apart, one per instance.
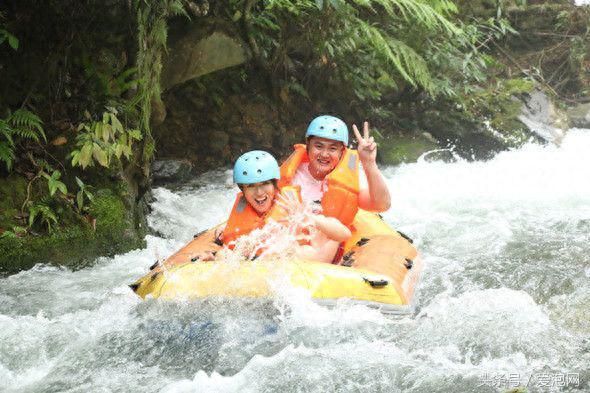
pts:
pixel 394 150
pixel 580 115
pixel 171 171
pixel 543 118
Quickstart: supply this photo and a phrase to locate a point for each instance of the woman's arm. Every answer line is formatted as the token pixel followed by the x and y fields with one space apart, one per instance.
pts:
pixel 331 227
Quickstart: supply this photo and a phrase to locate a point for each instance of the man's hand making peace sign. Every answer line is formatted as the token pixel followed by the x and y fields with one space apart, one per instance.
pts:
pixel 367 147
pixel 376 196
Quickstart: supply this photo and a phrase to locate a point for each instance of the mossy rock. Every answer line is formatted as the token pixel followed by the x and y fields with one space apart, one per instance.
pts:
pixel 394 150
pixel 76 245
pixel 13 191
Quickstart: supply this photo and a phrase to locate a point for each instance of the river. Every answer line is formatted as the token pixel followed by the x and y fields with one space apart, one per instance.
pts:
pixel 503 300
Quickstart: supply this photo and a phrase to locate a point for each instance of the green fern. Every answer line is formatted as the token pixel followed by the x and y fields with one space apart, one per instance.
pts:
pixel 26 124
pixel 18 126
pixel 7 154
pixel 44 214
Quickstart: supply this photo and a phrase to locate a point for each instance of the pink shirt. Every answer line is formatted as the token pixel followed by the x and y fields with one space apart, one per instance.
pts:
pixel 311 189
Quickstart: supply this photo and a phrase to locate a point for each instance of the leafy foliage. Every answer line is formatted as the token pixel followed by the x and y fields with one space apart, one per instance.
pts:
pixel 102 141
pixel 372 45
pixel 54 183
pixel 361 51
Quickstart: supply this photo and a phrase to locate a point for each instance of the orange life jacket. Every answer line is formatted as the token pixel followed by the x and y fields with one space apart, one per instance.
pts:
pixel 243 219
pixel 342 195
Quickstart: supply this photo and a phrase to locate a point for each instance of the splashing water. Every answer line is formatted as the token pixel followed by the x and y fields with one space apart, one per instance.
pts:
pixel 503 299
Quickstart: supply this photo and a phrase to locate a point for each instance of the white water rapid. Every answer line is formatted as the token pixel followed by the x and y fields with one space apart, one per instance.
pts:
pixel 503 300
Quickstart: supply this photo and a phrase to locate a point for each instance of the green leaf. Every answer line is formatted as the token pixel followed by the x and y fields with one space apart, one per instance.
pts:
pixel 32 214
pixel 75 157
pixel 85 156
pixel 80 200
pixel 117 126
pixel 135 134
pixel 127 151
pixel 98 127
pixel 13 41
pixel 62 187
pixel 119 150
pixel 106 132
pixel 80 182
pixel 100 155
pixel 52 187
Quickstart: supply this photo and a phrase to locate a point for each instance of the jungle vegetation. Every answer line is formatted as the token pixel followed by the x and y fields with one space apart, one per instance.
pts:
pixel 80 80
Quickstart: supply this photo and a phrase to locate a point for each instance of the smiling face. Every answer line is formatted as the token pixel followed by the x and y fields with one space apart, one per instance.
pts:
pixel 324 154
pixel 260 195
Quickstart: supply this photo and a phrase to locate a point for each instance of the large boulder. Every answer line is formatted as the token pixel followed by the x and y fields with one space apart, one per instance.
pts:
pixel 171 171
pixel 201 51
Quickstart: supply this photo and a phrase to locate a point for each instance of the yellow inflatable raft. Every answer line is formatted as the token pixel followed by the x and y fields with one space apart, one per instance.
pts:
pixel 380 268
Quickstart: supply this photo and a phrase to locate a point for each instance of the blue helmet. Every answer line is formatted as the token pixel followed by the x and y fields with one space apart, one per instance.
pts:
pixel 256 166
pixel 328 127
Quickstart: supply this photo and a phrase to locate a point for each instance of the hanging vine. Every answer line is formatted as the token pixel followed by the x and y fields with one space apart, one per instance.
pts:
pixel 152 25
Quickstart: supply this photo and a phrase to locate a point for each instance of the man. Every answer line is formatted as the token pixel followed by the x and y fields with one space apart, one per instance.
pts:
pixel 328 172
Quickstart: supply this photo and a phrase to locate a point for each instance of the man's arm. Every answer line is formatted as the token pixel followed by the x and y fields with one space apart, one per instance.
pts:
pixel 375 197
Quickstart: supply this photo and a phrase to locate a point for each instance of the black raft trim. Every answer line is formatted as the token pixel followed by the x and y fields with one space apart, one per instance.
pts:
pixel 199 234
pixel 406 237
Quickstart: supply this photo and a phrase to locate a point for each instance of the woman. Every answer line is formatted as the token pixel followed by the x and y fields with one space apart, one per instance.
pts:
pixel 256 173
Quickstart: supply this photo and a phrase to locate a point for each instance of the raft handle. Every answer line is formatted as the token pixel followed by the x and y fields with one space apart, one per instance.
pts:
pixel 134 287
pixel 409 263
pixel 363 241
pixel 376 283
pixel 347 259
pixel 199 234
pixel 405 236
pixel 155 265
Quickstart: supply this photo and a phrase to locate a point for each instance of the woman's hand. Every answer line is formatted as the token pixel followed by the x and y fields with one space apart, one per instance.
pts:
pixel 290 203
